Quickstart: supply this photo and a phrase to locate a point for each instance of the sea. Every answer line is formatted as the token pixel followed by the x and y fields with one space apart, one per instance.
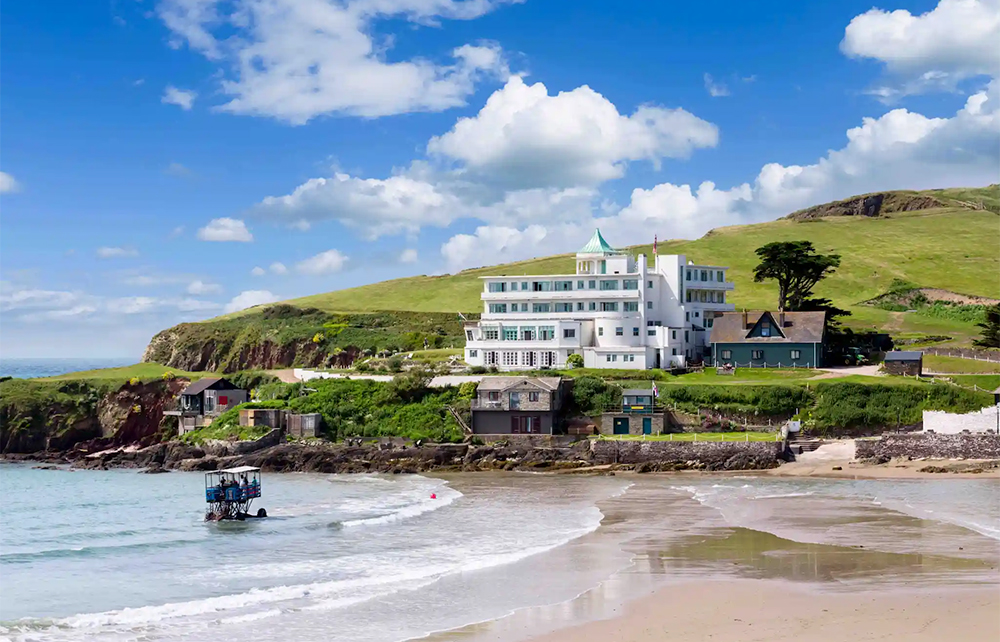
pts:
pixel 30 368
pixel 119 555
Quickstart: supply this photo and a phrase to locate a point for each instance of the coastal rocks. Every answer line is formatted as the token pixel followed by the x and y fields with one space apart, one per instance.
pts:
pixel 220 448
pixel 134 412
pixel 673 455
pixel 929 445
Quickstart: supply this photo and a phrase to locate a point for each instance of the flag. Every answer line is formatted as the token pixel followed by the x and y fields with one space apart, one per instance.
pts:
pixel 654 245
pixel 656 391
pixel 462 317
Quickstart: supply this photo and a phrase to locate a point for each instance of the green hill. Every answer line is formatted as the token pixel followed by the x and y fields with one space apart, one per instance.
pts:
pixel 953 247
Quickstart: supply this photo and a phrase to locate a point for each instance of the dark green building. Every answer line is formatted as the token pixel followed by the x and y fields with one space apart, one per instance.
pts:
pixel 769 339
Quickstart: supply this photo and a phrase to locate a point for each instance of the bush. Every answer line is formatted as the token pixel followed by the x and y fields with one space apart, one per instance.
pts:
pixel 591 395
pixel 395 364
pixel 467 390
pixel 574 361
pixel 760 400
pixel 411 386
pixel 364 366
pixel 477 370
pixel 846 405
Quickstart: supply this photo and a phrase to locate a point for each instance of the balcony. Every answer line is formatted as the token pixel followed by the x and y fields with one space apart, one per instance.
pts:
pixel 709 285
pixel 483 404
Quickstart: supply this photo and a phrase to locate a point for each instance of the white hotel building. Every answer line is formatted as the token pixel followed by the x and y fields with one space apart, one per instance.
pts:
pixel 616 311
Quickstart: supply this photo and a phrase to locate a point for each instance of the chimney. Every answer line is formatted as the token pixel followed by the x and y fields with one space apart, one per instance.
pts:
pixel 781 319
pixel 744 317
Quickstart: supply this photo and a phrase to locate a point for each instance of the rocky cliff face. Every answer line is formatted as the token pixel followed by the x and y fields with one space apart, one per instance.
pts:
pixel 170 348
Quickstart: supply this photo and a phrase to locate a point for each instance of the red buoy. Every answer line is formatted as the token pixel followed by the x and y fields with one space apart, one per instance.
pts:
pixel 434 496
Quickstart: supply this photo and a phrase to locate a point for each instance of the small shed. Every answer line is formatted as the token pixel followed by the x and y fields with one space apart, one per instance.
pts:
pixel 268 417
pixel 306 425
pixel 904 363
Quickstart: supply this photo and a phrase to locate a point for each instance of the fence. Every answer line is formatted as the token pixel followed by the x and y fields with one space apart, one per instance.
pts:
pixel 966 353
pixel 757 364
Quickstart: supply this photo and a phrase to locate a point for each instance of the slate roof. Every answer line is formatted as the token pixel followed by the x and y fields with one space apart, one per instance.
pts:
pixel 800 327
pixel 597 245
pixel 503 383
pixel 637 392
pixel 902 355
pixel 205 383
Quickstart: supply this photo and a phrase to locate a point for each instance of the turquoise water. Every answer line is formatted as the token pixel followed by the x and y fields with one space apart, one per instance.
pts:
pixel 30 368
pixel 117 555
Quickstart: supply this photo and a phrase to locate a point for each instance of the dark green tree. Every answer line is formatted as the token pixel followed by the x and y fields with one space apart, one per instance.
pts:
pixel 990 335
pixel 796 267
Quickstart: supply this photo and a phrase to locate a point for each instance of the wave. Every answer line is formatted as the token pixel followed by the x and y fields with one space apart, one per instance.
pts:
pixel 406 512
pixel 89 551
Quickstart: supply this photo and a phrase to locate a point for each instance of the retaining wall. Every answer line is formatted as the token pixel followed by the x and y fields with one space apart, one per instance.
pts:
pixel 930 445
pixel 947 423
pixel 726 455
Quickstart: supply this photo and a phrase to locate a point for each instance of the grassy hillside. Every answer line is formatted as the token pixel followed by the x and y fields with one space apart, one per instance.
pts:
pixel 952 248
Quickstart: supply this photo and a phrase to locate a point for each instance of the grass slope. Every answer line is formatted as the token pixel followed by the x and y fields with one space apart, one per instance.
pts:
pixel 951 248
pixel 148 371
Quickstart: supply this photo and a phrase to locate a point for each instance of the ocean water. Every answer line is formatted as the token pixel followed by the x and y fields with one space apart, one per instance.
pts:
pixel 117 555
pixel 31 368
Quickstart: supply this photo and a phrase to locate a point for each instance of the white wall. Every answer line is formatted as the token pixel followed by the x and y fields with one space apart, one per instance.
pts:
pixel 947 423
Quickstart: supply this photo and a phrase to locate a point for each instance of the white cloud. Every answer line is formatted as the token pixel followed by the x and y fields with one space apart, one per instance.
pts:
pixel 178 170
pixel 323 263
pixel 116 252
pixel 8 184
pixel 177 231
pixel 279 268
pixel 131 304
pixel 717 89
pixel 899 150
pixel 225 229
pixel 183 98
pixel 34 305
pixel 298 59
pixel 199 287
pixel 956 40
pixel 258 271
pixel 408 255
pixel 248 299
pixel 525 138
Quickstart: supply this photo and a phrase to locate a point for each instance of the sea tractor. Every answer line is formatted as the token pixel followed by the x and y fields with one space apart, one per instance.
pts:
pixel 230 492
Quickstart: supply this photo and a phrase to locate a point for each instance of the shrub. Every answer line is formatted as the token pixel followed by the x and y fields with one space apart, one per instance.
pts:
pixel 591 395
pixel 477 370
pixel 395 364
pixel 467 390
pixel 363 366
pixel 574 361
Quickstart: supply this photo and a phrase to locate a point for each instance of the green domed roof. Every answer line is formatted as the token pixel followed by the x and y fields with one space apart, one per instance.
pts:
pixel 597 245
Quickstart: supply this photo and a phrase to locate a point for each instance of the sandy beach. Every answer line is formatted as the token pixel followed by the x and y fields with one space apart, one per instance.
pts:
pixel 749 610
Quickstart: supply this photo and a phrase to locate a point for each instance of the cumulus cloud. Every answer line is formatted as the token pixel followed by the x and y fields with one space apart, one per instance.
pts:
pixel 526 138
pixel 183 98
pixel 717 89
pixel 35 305
pixel 934 50
pixel 199 287
pixel 408 255
pixel 248 299
pixel 899 150
pixel 279 268
pixel 327 262
pixel 298 59
pixel 224 230
pixel 8 184
pixel 116 252
pixel 258 271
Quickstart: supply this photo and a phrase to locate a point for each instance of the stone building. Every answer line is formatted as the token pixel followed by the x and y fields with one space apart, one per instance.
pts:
pixel 640 414
pixel 518 405
pixel 904 363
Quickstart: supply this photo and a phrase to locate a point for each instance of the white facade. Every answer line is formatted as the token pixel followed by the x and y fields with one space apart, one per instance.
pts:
pixel 616 311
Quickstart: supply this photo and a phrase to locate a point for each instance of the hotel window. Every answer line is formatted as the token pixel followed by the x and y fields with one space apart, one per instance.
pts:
pixel 709 323
pixel 689 296
pixel 593 306
pixel 685 336
pixel 494 395
pixel 564 307
pixel 468 335
pixel 609 285
pixel 541 307
pixel 687 316
pixel 630 306
pixel 491 334
pixel 673 352
pixel 513 286
pixel 619 331
pixel 631 357
pixel 703 296
pixel 649 305
pixel 498 287
pixel 757 355
pixel 720 276
pixel 600 332
pixel 524 285
pixel 510 358
pixel 635 331
pixel 609 306
pixel 765 330
pixel 579 306
pixel 591 285
pixel 527 334
pixel 491 358
pixel 704 275
pixel 498 308
pixel 533 396
pixel 630 284
pixel 541 286
pixel 649 284
pixel 611 357
pixel 473 354
pixel 510 334
pixel 528 359
pixel 727 354
pixel 689 275
pixel 547 332
pixel 579 285
pixel 569 333
pixel 524 307
pixel 563 286
pixel 548 359
pixel 796 355
pixel 673 334
pixel 650 333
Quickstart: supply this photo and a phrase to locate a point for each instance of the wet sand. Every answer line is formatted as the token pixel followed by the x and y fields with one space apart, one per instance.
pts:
pixel 769 610
pixel 895 469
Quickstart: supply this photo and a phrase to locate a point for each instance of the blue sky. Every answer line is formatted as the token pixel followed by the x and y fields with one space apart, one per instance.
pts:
pixel 169 161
